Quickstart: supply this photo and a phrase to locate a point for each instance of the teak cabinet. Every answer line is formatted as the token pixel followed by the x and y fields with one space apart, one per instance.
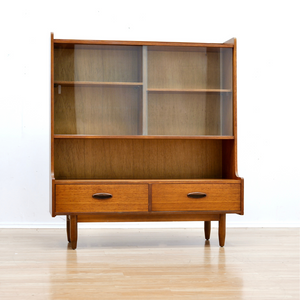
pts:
pixel 144 131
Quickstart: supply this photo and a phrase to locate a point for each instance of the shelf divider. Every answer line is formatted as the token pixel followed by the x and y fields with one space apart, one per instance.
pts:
pixel 145 91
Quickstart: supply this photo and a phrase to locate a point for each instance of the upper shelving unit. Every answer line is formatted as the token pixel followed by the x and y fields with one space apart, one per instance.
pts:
pixel 116 90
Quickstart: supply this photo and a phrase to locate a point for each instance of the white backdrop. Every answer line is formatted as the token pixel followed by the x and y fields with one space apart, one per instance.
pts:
pixel 267 33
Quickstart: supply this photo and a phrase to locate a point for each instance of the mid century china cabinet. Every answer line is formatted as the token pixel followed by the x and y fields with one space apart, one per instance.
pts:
pixel 144 131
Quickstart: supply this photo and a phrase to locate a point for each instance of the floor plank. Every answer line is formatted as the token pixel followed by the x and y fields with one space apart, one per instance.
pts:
pixel 149 264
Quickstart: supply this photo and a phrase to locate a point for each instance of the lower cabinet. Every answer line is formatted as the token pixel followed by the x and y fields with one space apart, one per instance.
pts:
pixel 148 201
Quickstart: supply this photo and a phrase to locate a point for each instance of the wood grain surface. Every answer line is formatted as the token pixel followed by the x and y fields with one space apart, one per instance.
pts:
pixel 137 159
pixel 149 217
pixel 78 198
pixel 173 197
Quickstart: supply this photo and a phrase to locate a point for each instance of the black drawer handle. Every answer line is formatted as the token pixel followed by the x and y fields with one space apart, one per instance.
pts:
pixel 102 196
pixel 196 195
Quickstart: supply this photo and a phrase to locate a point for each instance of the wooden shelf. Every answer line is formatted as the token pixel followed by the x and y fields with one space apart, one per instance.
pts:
pixel 150 137
pixel 95 83
pixel 190 90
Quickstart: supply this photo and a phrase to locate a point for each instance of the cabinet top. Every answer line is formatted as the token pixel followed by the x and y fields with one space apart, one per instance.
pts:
pixel 228 44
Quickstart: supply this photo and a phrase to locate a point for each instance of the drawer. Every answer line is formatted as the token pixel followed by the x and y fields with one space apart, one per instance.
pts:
pixel 174 197
pixel 79 198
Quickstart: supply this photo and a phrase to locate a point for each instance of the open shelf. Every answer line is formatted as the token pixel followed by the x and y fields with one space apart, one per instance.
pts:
pixel 138 159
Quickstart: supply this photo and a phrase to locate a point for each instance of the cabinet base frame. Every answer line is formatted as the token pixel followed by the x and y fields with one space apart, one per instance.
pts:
pixel 72 221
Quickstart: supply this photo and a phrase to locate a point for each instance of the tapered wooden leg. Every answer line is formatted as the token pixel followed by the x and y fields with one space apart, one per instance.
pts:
pixel 207 227
pixel 73 231
pixel 68 228
pixel 222 230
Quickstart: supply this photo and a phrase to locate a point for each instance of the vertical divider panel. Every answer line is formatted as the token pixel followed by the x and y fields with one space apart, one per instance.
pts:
pixel 145 92
pixel 221 94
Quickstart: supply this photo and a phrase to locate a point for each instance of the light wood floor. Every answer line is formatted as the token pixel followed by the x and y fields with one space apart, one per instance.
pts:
pixel 149 264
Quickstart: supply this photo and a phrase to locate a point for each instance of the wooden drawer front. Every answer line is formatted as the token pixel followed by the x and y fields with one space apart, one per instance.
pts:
pixel 78 198
pixel 173 197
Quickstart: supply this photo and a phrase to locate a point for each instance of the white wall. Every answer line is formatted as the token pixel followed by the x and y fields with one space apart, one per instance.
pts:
pixel 268 92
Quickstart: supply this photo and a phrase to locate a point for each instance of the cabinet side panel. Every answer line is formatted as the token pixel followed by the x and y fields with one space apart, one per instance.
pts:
pixel 228 159
pixel 137 159
pixel 231 149
pixel 53 199
pixel 234 101
pixel 52 124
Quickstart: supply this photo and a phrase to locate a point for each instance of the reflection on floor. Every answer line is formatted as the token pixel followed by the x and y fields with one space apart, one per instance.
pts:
pixel 149 264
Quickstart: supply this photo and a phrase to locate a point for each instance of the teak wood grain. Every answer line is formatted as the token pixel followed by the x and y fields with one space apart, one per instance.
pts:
pixel 173 197
pixel 63 43
pixel 78 198
pixel 145 181
pixel 145 137
pixel 222 230
pixel 207 229
pixel 137 159
pixel 73 231
pixel 52 198
pixel 149 217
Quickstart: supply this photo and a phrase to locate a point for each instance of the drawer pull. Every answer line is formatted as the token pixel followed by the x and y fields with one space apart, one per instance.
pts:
pixel 102 196
pixel 196 195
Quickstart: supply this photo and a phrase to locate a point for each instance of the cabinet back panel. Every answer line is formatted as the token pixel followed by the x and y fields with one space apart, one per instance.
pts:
pixel 137 159
pixel 98 63
pixel 184 113
pixel 189 68
pixel 97 110
pixel 183 69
